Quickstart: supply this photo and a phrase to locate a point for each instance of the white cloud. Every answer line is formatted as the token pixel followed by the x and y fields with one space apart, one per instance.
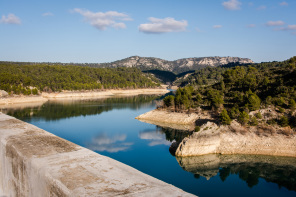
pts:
pixel 217 26
pixel 232 5
pixel 101 20
pixel 47 14
pixel 165 25
pixel 284 3
pixel 251 25
pixel 274 23
pixel 10 19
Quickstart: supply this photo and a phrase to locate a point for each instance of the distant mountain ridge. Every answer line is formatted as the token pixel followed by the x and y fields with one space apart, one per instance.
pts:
pixel 177 66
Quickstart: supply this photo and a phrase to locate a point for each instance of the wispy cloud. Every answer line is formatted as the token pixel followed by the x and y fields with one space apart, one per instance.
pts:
pixel 262 7
pixel 251 25
pixel 217 26
pixel 198 30
pixel 110 144
pixel 47 14
pixel 284 3
pixel 157 25
pixel 103 20
pixel 154 138
pixel 274 23
pixel 232 5
pixel 10 19
pixel 289 27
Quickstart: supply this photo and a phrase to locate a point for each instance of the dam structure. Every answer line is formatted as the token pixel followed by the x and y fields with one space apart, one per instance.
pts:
pixel 34 162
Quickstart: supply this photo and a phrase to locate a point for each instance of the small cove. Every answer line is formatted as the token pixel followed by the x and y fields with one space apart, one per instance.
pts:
pixel 108 126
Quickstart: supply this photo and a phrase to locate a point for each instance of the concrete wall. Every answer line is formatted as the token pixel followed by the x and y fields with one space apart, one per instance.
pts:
pixel 34 162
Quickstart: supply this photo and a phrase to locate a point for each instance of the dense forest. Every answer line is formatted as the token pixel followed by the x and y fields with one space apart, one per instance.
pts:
pixel 233 92
pixel 34 78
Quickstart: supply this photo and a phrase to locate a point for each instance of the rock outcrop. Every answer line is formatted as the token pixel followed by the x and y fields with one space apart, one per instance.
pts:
pixel 236 139
pixel 181 121
pixel 3 94
pixel 177 66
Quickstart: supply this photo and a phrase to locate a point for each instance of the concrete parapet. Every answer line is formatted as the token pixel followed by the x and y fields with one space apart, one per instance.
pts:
pixel 34 162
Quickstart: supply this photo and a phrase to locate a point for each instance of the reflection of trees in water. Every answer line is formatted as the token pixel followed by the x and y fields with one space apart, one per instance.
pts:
pixel 249 168
pixel 55 110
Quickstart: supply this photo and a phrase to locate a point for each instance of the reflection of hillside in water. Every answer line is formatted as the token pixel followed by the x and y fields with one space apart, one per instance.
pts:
pixel 58 109
pixel 279 170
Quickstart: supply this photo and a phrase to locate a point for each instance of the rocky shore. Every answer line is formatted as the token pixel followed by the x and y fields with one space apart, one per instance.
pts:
pixel 7 100
pixel 219 139
pixel 237 139
pixel 183 121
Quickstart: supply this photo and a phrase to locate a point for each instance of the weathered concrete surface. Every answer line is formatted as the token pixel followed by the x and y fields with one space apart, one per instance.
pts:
pixel 236 139
pixel 34 162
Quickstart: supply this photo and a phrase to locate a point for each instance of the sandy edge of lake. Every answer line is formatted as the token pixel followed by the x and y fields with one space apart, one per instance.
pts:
pixel 79 95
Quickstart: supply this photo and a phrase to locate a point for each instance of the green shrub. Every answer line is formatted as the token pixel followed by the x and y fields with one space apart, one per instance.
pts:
pixel 224 118
pixel 243 118
pixel 197 129
pixel 283 121
pixel 292 104
pixel 281 110
pixel 234 113
pixel 258 115
pixel 169 101
pixel 253 121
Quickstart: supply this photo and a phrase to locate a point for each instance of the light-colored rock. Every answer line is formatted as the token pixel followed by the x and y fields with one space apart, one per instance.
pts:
pixel 3 94
pixel 150 63
pixel 236 139
pixel 103 94
pixel 175 120
pixel 34 162
pixel 21 99
pixel 169 117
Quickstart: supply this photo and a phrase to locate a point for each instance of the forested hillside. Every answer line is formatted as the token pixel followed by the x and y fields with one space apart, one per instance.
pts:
pixel 242 89
pixel 31 79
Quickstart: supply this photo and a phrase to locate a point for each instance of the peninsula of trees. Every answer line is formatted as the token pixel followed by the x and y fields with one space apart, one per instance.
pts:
pixel 232 93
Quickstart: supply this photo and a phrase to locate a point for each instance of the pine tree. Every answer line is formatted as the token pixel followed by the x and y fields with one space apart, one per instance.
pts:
pixel 224 118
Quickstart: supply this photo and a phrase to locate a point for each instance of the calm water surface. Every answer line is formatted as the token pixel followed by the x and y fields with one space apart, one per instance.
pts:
pixel 108 127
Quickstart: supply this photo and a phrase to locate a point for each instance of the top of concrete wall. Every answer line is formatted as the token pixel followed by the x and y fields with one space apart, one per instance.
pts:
pixel 37 163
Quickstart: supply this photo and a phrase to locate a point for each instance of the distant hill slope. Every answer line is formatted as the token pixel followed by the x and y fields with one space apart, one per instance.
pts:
pixel 177 66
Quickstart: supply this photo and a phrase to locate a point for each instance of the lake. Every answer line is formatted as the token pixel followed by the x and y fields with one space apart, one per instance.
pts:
pixel 108 127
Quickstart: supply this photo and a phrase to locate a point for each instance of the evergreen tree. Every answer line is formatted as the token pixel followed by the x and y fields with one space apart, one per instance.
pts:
pixel 224 118
pixel 243 118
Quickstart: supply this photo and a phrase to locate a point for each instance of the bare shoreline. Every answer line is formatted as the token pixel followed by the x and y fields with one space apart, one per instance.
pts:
pixel 79 95
pixel 215 139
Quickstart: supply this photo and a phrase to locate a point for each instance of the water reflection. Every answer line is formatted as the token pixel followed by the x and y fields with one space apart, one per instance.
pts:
pixel 154 138
pixel 66 108
pixel 163 136
pixel 111 144
pixel 249 168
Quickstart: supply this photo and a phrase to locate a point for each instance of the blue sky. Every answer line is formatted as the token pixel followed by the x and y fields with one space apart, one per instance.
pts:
pixel 88 31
